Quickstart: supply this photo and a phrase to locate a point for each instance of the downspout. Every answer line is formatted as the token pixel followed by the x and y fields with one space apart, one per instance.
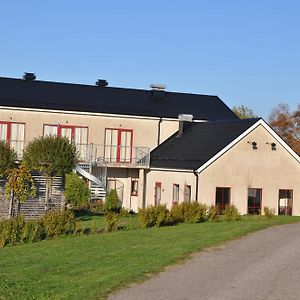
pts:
pixel 158 131
pixel 197 184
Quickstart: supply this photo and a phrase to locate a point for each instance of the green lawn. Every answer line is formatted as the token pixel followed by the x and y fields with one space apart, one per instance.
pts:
pixel 91 267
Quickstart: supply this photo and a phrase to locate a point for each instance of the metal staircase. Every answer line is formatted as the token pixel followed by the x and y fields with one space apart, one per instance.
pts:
pixel 95 172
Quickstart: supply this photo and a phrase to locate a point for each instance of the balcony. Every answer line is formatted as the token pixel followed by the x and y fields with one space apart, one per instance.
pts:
pixel 115 156
pixel 109 155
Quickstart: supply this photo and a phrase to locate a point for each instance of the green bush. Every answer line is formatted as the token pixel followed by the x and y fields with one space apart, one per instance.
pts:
pixel 231 213
pixel 269 212
pixel 57 224
pixel 76 191
pixel 213 214
pixel 111 221
pixel 155 216
pixel 112 202
pixel 11 231
pixel 192 212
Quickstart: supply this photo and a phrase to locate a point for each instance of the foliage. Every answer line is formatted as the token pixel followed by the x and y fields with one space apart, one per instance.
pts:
pixel 7 158
pixel 112 202
pixel 244 112
pixel 192 212
pixel 287 125
pixel 231 213
pixel 155 216
pixel 50 155
pixel 76 191
pixel 269 212
pixel 57 224
pixel 213 214
pixel 111 221
pixel 14 231
pixel 21 183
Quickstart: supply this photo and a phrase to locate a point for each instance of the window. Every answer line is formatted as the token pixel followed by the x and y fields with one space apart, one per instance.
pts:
pixel 187 193
pixel 14 134
pixel 285 203
pixel 76 135
pixel 222 197
pixel 157 193
pixel 254 201
pixel 118 145
pixel 134 187
pixel 175 193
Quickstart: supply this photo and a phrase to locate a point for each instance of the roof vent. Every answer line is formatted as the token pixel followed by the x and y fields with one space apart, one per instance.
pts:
pixel 101 82
pixel 185 117
pixel 184 122
pixel 29 76
pixel 158 90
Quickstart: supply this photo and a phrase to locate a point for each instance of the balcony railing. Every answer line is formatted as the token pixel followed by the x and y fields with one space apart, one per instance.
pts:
pixel 110 155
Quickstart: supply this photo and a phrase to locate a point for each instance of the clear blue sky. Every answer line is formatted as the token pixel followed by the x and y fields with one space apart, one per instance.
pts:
pixel 244 51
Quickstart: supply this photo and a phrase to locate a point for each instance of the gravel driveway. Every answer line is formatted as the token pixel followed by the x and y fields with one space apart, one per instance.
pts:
pixel 262 265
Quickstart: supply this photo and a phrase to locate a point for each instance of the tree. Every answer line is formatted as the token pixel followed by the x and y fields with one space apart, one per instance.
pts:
pixel 7 158
pixel 287 125
pixel 244 112
pixel 20 186
pixel 51 156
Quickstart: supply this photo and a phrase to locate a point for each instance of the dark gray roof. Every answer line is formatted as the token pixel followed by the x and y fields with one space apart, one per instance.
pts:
pixel 88 98
pixel 198 143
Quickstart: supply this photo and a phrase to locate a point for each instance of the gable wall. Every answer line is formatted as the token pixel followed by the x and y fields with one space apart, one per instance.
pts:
pixel 242 167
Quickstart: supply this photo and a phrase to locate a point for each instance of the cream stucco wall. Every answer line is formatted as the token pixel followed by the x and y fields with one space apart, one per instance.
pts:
pixel 145 130
pixel 167 179
pixel 242 167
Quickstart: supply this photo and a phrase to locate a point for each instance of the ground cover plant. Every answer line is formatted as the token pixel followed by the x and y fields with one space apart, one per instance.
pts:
pixel 92 266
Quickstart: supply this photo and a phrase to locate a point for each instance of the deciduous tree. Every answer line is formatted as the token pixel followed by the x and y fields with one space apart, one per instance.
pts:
pixel 7 158
pixel 244 112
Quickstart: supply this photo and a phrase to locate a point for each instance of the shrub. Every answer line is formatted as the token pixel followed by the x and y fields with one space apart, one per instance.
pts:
pixel 192 212
pixel 155 216
pixel 56 224
pixel 96 207
pixel 213 214
pixel 111 221
pixel 231 213
pixel 76 191
pixel 112 202
pixel 269 212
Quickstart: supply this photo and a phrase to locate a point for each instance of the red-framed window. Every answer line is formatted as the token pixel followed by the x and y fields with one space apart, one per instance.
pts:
pixel 187 193
pixel 254 201
pixel 175 193
pixel 222 197
pixel 285 202
pixel 76 134
pixel 14 134
pixel 118 145
pixel 134 187
pixel 157 193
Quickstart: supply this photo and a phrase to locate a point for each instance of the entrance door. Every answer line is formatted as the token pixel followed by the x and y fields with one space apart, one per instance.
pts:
pixel 157 194
pixel 285 202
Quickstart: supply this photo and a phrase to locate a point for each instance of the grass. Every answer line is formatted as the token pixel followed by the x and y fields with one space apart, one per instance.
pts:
pixel 91 267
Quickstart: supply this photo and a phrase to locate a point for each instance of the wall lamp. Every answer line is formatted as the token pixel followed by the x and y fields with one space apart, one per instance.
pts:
pixel 254 145
pixel 273 146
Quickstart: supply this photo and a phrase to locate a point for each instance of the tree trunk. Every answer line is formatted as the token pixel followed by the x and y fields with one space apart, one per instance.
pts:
pixel 11 204
pixel 48 193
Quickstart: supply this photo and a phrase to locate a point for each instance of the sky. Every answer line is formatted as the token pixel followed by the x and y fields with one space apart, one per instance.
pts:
pixel 244 51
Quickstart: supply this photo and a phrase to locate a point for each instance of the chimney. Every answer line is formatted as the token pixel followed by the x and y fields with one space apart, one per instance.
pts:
pixel 101 82
pixel 158 91
pixel 184 120
pixel 29 76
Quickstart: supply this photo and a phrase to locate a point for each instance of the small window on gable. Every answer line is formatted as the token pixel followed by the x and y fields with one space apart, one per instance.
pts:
pixel 134 187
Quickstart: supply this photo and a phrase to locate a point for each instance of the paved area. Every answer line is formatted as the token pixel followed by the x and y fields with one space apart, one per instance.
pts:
pixel 262 265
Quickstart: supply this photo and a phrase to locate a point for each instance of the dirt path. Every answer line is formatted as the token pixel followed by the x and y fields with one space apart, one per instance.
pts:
pixel 262 265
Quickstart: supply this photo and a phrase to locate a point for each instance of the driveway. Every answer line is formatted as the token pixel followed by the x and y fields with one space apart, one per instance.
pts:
pixel 262 265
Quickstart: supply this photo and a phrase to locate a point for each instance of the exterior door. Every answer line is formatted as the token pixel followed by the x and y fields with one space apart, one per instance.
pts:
pixel 254 201
pixel 157 194
pixel 285 202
